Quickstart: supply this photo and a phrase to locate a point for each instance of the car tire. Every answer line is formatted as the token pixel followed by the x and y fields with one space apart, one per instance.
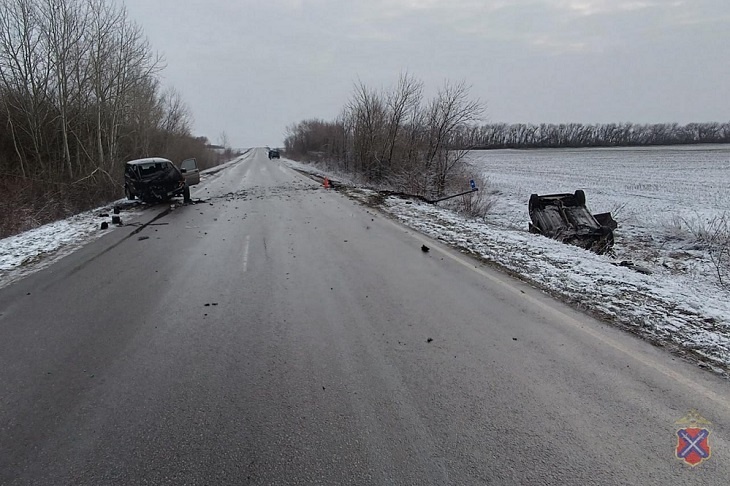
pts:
pixel 186 195
pixel 534 198
pixel 580 197
pixel 128 193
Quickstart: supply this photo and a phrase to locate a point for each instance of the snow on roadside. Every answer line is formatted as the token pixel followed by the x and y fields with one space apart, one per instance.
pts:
pixel 38 248
pixel 668 308
pixel 666 311
pixel 320 170
pixel 33 250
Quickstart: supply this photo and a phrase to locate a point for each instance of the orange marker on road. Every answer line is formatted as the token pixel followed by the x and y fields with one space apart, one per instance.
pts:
pixel 326 183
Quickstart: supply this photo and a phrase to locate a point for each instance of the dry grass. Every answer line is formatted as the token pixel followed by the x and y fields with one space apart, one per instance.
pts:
pixel 476 204
pixel 711 235
pixel 27 204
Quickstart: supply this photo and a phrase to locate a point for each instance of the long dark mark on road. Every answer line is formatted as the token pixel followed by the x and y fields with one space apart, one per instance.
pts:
pixel 164 213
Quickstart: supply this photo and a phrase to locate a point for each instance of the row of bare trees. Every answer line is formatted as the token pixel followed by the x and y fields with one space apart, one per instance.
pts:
pixel 520 135
pixel 394 136
pixel 79 95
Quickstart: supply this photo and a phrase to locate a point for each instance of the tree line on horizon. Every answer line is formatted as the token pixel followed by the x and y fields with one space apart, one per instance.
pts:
pixel 79 95
pixel 321 139
pixel 577 135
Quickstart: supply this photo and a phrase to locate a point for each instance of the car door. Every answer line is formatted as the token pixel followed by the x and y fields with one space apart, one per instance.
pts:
pixel 189 169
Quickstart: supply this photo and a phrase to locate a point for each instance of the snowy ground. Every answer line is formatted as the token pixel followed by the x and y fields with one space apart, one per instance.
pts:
pixel 657 195
pixel 38 248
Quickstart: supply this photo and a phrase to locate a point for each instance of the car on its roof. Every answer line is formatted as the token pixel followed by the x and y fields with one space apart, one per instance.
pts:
pixel 566 218
pixel 156 179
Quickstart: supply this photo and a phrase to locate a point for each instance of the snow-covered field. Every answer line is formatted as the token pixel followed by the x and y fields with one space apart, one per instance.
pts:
pixel 668 200
pixel 656 188
pixel 661 198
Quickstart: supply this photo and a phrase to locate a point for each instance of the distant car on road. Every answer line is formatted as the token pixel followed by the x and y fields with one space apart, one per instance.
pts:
pixel 273 154
pixel 156 179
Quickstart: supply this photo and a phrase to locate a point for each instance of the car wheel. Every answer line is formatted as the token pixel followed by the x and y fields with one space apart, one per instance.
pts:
pixel 186 195
pixel 580 197
pixel 128 193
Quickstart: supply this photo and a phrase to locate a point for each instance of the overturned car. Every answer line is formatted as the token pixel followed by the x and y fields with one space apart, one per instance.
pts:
pixel 566 218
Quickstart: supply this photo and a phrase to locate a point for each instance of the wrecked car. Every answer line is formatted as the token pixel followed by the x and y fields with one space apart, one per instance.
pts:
pixel 566 218
pixel 156 179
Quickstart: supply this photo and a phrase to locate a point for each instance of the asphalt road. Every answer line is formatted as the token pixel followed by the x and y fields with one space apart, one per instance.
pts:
pixel 280 333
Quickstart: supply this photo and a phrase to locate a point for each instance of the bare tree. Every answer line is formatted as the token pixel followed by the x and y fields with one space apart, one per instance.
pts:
pixel 404 99
pixel 448 112
pixel 391 137
pixel 63 28
pixel 121 60
pixel 223 139
pixel 367 110
pixel 24 73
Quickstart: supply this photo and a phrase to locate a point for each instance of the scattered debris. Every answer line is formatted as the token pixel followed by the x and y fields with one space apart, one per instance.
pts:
pixel 140 238
pixel 425 249
pixel 429 340
pixel 104 225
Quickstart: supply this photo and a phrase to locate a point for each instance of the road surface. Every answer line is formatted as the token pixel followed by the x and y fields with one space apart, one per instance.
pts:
pixel 280 333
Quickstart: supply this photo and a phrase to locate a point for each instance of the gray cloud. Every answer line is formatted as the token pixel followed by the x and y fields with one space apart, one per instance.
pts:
pixel 251 68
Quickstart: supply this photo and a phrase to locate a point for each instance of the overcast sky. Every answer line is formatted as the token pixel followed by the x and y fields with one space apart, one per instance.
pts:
pixel 250 68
